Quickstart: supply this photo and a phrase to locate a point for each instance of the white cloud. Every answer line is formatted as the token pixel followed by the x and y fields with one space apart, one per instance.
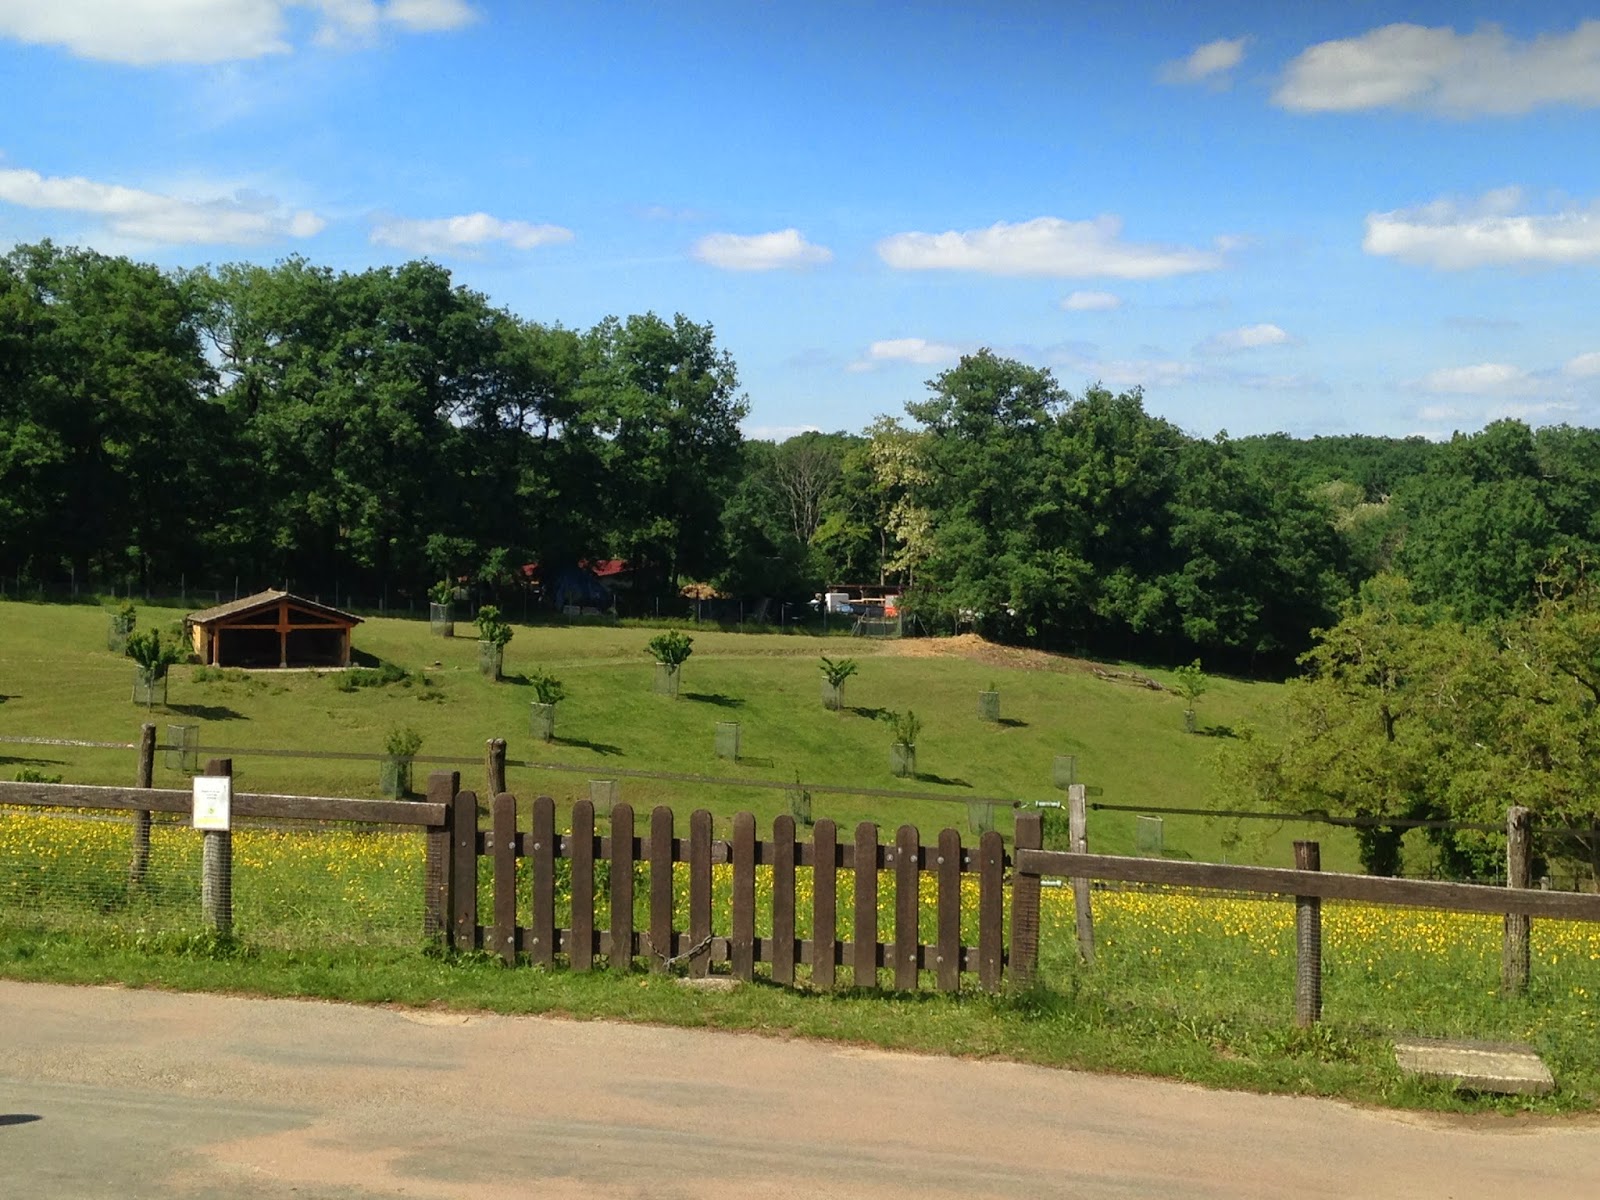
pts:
pixel 464 234
pixel 1246 337
pixel 776 433
pixel 1489 232
pixel 430 16
pixel 786 248
pixel 1208 63
pixel 1044 246
pixel 1584 366
pixel 1481 379
pixel 240 218
pixel 1526 412
pixel 1435 69
pixel 147 32
pixel 1440 412
pixel 906 350
pixel 1091 302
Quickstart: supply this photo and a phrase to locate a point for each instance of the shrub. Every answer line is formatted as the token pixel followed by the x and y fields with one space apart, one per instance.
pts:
pixel 152 655
pixel 905 726
pixel 671 648
pixel 1191 682
pixel 491 627
pixel 402 742
pixel 547 688
pixel 442 592
pixel 837 671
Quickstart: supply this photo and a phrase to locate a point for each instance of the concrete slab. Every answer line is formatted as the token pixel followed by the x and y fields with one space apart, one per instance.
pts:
pixel 1505 1068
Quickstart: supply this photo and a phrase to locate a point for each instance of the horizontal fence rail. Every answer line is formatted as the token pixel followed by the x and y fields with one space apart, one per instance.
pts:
pixel 245 804
pixel 1326 885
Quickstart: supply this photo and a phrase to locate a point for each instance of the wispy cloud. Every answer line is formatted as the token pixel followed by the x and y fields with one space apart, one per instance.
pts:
pixel 1435 69
pixel 240 218
pixel 152 32
pixel 1480 379
pixel 906 350
pixel 1209 63
pixel 785 248
pixel 464 234
pixel 1045 246
pixel 1584 366
pixel 1452 236
pixel 1246 337
pixel 1091 302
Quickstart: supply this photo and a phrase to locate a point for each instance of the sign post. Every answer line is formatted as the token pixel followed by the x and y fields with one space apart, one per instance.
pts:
pixel 213 815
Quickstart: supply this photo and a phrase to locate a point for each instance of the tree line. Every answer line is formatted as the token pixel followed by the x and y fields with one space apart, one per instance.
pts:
pixel 372 432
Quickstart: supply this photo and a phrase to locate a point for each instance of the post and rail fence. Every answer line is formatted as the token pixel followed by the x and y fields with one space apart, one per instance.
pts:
pixel 522 919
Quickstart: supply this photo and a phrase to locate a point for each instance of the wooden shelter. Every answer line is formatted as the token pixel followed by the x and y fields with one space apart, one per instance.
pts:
pixel 272 629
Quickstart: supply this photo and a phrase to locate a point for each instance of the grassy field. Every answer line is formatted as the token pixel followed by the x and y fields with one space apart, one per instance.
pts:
pixel 58 680
pixel 1192 989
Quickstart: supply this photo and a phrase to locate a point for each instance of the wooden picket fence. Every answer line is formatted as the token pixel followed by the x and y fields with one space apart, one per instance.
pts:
pixel 522 924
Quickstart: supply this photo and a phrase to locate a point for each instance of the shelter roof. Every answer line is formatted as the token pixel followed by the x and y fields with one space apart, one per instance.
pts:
pixel 247 604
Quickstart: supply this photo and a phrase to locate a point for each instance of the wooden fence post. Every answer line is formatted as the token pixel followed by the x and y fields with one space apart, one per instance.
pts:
pixel 216 866
pixel 1029 835
pixel 824 902
pixel 139 867
pixel 1078 843
pixel 494 766
pixel 1307 942
pixel 436 897
pixel 1515 952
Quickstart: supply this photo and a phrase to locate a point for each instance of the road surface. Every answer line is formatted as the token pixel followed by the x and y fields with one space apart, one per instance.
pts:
pixel 106 1092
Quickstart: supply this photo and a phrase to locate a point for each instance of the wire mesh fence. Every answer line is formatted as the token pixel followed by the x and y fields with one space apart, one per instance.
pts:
pixel 294 883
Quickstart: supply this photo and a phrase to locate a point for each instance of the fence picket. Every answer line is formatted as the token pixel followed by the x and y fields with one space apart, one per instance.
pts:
pixel 464 870
pixel 864 956
pixel 503 843
pixel 620 956
pixel 948 964
pixel 783 942
pixel 907 907
pixel 700 893
pixel 660 887
pixel 541 847
pixel 824 902
pixel 580 953
pixel 991 911
pixel 741 951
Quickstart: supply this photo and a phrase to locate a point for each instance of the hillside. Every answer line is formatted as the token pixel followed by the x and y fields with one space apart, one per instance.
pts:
pixel 58 680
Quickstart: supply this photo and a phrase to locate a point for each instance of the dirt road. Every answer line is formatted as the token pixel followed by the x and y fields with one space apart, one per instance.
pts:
pixel 112 1093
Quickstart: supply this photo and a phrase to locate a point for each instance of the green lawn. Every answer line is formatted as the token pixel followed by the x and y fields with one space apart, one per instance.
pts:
pixel 59 681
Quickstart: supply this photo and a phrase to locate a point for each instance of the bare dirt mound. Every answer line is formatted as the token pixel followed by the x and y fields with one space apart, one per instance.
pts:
pixel 976 649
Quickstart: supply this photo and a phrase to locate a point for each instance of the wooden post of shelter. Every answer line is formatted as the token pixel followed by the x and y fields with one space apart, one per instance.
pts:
pixel 1307 942
pixel 139 867
pixel 1078 843
pixel 216 866
pixel 1516 951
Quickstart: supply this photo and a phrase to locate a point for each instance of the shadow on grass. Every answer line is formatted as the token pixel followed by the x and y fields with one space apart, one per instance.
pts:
pixel 871 714
pixel 362 658
pixel 1218 731
pixel 19 1118
pixel 208 712
pixel 716 698
pixel 928 777
pixel 4 697
pixel 27 760
pixel 585 744
pixel 751 760
pixel 1012 723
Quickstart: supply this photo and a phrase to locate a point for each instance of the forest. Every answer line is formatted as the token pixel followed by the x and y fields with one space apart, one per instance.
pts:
pixel 369 433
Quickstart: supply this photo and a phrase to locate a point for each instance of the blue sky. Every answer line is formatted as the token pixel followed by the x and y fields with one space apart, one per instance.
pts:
pixel 1315 218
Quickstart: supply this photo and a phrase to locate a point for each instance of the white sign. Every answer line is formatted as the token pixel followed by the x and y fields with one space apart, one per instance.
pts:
pixel 213 801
